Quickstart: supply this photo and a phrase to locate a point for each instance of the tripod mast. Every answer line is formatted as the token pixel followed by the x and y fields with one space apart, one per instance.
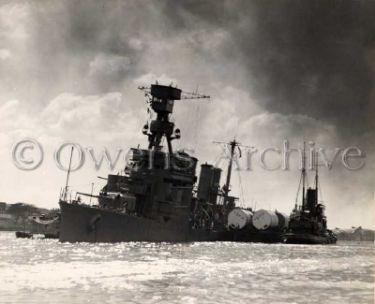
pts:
pixel 161 100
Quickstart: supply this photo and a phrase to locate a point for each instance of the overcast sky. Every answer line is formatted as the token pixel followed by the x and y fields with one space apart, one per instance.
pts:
pixel 276 70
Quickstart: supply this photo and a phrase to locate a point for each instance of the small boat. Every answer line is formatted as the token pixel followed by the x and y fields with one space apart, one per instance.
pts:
pixel 51 235
pixel 24 234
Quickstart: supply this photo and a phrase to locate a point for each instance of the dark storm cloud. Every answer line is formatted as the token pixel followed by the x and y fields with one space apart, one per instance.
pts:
pixel 87 47
pixel 308 57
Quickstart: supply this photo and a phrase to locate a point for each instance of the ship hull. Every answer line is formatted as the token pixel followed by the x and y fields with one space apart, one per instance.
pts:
pixel 308 239
pixel 82 223
pixel 256 236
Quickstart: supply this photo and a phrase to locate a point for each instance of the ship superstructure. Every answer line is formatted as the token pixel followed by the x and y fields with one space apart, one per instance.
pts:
pixel 156 198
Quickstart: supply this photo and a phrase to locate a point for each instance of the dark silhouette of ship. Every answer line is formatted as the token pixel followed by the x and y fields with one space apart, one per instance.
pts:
pixel 308 223
pixel 156 198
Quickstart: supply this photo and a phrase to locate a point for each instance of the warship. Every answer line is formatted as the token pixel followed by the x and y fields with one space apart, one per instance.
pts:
pixel 308 223
pixel 155 199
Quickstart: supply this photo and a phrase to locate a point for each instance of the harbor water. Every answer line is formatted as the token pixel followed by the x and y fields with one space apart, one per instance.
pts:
pixel 46 271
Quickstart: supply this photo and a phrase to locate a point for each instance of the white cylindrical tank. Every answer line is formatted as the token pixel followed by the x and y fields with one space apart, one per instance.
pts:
pixel 238 218
pixel 265 219
pixel 283 220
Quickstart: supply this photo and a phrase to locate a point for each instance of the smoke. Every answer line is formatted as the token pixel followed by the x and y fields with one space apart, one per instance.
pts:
pixel 303 57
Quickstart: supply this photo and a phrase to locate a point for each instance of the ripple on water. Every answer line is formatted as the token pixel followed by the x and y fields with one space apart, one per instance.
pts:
pixel 36 271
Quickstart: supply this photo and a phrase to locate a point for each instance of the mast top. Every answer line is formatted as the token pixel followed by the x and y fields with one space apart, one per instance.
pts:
pixel 160 99
pixel 232 146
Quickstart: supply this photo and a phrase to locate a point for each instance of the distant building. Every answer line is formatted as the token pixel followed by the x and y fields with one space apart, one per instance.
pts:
pixel 355 234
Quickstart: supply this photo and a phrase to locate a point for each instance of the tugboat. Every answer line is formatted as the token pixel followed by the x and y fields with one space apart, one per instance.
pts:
pixel 308 223
pixel 155 199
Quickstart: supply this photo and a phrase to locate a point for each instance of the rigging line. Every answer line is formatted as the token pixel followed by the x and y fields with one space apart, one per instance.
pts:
pixel 241 189
pixel 196 122
pixel 216 159
pixel 299 188
pixel 307 180
pixel 220 155
pixel 320 192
